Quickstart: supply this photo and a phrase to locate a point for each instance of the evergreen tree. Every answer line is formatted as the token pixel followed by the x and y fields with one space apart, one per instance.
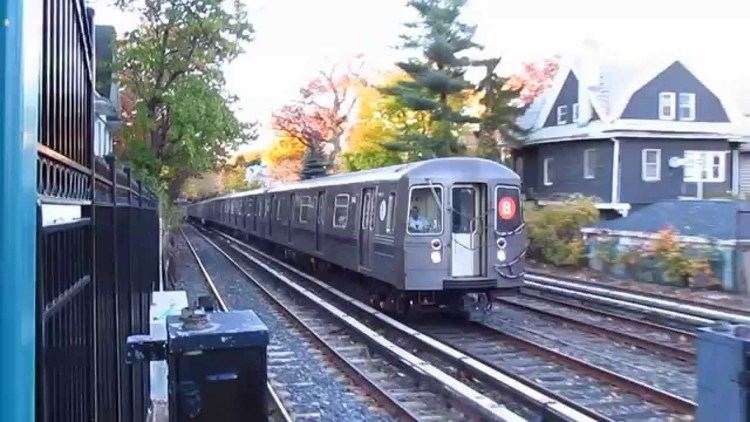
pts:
pixel 436 79
pixel 498 128
pixel 313 164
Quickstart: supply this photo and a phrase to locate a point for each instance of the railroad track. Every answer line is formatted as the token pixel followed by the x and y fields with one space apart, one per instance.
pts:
pixel 408 387
pixel 661 339
pixel 277 411
pixel 662 308
pixel 572 385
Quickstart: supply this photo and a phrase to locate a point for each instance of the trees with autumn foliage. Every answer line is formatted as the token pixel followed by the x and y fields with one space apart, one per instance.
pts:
pixel 318 118
pixel 533 79
pixel 284 158
pixel 182 121
pixel 380 119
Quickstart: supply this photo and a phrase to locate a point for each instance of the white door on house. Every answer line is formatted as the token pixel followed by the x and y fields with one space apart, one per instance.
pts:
pixel 744 173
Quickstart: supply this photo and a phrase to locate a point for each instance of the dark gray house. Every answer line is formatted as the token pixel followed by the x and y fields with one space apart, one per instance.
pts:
pixel 630 135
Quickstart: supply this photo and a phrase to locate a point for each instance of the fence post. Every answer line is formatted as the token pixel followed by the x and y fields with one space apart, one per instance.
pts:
pixel 115 288
pixel 20 47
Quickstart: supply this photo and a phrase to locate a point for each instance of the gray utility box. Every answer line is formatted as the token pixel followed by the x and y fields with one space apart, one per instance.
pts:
pixel 723 373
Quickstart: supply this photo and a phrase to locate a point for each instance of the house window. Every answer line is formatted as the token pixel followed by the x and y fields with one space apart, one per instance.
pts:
pixel 589 164
pixel 705 166
pixel 305 208
pixel 562 114
pixel 651 165
pixel 341 210
pixel 575 112
pixel 686 107
pixel 425 213
pixel 666 105
pixel 547 170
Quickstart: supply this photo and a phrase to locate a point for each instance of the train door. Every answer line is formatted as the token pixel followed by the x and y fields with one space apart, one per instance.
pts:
pixel 467 230
pixel 319 219
pixel 365 227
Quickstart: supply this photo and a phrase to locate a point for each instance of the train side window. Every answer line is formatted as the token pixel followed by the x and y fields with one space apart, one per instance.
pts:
pixel 278 209
pixel 305 208
pixel 268 207
pixel 389 213
pixel 259 209
pixel 341 210
pixel 250 207
pixel 425 214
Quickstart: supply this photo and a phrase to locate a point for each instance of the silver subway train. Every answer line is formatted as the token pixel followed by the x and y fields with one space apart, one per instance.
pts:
pixel 443 232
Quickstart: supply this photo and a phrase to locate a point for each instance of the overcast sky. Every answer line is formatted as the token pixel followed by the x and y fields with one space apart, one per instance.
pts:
pixel 295 38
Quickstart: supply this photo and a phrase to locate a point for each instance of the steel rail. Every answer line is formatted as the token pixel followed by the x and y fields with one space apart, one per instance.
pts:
pixel 672 401
pixel 625 337
pixel 682 311
pixel 550 403
pixel 658 295
pixel 620 303
pixel 278 405
pixel 630 319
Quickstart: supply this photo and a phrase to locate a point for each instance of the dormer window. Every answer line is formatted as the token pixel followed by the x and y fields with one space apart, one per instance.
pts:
pixel 575 112
pixel 667 105
pixel 686 108
pixel 562 114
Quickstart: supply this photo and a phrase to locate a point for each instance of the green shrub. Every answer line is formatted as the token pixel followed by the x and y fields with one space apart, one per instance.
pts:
pixel 606 250
pixel 555 230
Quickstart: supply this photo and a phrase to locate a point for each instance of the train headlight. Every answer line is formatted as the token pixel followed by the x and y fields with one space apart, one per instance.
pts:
pixel 436 244
pixel 501 243
pixel 501 255
pixel 436 257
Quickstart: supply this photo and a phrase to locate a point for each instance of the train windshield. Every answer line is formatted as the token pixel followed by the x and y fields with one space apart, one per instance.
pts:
pixel 425 214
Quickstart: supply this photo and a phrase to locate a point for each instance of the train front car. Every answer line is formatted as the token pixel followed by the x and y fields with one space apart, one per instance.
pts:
pixel 465 238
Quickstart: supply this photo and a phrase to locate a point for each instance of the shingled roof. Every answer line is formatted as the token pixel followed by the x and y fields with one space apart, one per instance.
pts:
pixel 710 219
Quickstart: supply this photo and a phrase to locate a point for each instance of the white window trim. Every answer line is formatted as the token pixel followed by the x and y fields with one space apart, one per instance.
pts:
pixel 336 206
pixel 708 157
pixel 690 106
pixel 304 202
pixel 562 114
pixel 438 190
pixel 575 112
pixel 644 176
pixel 589 171
pixel 671 97
pixel 545 170
pixel 389 213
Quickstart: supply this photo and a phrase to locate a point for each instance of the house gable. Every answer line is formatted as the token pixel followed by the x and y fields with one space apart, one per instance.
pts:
pixel 644 102
pixel 568 95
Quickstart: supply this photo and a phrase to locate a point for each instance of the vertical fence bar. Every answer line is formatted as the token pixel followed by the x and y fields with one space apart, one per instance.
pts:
pixel 20 48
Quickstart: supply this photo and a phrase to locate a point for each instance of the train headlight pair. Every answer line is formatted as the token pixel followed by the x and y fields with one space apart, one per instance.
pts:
pixel 501 244
pixel 435 255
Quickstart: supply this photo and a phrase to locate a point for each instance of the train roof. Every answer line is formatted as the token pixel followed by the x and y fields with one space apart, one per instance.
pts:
pixel 456 167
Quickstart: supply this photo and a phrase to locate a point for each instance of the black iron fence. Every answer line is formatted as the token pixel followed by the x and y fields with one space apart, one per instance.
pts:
pixel 98 238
